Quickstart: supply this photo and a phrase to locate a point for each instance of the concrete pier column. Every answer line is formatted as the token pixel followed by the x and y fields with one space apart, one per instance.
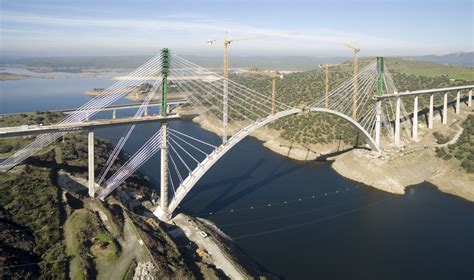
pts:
pixel 378 112
pixel 91 169
pixel 445 108
pixel 414 134
pixel 163 212
pixel 430 114
pixel 458 102
pixel 397 122
pixel 469 98
pixel 146 111
pixel 114 114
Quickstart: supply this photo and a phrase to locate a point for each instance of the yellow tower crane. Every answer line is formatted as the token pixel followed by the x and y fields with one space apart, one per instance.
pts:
pixel 227 43
pixel 326 80
pixel 274 75
pixel 356 49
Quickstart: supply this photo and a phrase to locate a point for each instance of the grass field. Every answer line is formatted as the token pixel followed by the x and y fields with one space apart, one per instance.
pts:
pixel 429 69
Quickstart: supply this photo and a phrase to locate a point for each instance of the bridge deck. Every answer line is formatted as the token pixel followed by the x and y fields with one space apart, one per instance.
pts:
pixel 23 130
pixel 423 91
pixel 113 107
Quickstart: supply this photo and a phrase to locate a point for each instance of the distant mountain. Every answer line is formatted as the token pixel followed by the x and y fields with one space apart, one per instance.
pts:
pixel 294 63
pixel 291 63
pixel 458 58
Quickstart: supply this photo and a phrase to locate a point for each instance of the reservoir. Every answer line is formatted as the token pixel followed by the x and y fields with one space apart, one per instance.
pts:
pixel 298 220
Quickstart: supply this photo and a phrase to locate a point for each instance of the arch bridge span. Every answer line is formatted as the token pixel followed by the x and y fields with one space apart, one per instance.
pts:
pixel 187 185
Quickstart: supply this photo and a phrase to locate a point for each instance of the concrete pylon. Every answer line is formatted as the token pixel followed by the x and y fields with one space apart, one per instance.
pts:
pixel 445 108
pixel 162 211
pixel 91 169
pixel 414 134
pixel 114 114
pixel 430 114
pixel 378 113
pixel 458 102
pixel 397 122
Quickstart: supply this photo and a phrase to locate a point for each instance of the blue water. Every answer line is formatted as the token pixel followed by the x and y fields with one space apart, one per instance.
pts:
pixel 347 231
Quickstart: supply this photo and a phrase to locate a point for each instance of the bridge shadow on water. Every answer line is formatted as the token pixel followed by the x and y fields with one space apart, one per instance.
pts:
pixel 222 200
pixel 227 185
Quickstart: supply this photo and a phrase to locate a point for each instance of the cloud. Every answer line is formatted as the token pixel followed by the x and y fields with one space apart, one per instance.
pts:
pixel 195 27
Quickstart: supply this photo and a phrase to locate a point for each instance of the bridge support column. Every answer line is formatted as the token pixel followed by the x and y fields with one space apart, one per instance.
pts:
pixel 445 108
pixel 162 211
pixel 114 114
pixel 146 111
pixel 469 98
pixel 430 114
pixel 91 169
pixel 414 134
pixel 458 102
pixel 378 112
pixel 397 122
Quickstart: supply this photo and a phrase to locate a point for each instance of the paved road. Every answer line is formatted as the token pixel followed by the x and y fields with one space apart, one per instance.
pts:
pixel 219 258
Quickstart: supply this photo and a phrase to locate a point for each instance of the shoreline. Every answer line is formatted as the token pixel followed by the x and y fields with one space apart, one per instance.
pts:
pixel 394 173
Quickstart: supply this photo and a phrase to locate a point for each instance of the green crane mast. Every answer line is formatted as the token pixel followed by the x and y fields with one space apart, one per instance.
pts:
pixel 165 67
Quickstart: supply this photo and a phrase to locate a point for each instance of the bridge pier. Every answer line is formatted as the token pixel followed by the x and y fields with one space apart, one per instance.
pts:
pixel 146 111
pixel 458 102
pixel 430 114
pixel 469 98
pixel 414 134
pixel 445 108
pixel 397 122
pixel 91 169
pixel 114 114
pixel 378 112
pixel 162 211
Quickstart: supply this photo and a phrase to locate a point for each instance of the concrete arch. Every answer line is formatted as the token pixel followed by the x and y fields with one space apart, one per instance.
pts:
pixel 355 124
pixel 186 186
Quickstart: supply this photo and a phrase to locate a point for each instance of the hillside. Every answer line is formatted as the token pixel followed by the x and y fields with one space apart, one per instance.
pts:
pixel 430 69
pixel 458 58
pixel 305 87
pixel 51 229
pixel 287 63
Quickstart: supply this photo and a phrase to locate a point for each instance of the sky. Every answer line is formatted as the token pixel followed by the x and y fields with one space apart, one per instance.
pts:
pixel 259 27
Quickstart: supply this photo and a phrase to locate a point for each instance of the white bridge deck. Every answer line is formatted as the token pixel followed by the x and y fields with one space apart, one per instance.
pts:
pixel 23 130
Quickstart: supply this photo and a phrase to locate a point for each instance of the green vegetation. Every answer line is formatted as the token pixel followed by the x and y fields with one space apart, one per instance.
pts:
pixel 297 89
pixel 33 118
pixel 89 242
pixel 8 145
pixel 80 236
pixel 31 198
pixel 441 138
pixel 430 69
pixel 463 149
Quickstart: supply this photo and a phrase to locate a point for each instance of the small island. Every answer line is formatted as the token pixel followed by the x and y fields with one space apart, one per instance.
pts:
pixel 5 76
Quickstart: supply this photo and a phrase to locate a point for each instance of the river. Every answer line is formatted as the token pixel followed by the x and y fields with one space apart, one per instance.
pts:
pixel 299 220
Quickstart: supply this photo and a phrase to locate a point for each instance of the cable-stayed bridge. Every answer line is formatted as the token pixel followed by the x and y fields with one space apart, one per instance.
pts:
pixel 370 102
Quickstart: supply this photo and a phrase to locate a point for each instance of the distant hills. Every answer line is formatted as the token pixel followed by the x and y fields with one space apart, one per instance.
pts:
pixel 293 63
pixel 458 58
